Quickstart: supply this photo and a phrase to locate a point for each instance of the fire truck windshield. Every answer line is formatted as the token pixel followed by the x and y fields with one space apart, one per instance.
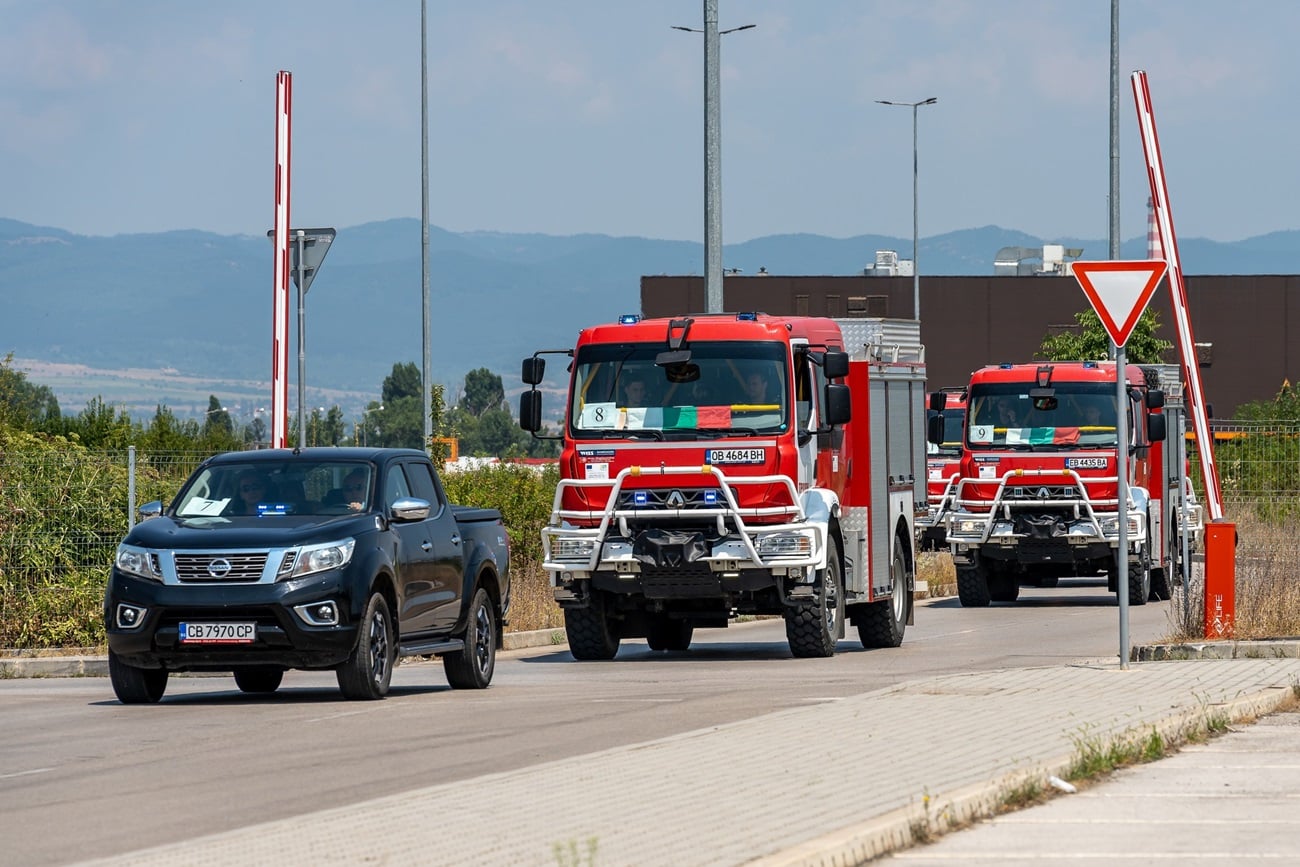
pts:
pixel 1002 415
pixel 739 388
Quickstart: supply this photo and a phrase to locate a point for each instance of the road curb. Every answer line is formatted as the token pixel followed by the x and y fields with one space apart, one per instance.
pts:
pixel 15 664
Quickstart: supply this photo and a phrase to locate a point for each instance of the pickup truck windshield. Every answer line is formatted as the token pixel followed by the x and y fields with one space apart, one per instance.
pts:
pixel 1002 415
pixel 726 388
pixel 268 489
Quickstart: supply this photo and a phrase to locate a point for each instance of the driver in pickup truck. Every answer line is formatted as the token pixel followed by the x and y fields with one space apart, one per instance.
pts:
pixel 355 487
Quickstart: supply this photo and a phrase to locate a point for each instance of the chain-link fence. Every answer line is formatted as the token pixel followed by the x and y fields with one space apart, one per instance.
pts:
pixel 63 512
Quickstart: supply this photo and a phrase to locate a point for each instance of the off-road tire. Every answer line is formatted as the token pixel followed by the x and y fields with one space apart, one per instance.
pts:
pixel 369 668
pixel 973 586
pixel 590 633
pixel 882 624
pixel 1139 582
pixel 812 630
pixel 1160 591
pixel 136 685
pixel 472 666
pixel 258 680
pixel 669 633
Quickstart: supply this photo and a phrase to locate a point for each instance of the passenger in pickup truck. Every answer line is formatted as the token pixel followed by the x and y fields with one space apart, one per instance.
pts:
pixel 252 488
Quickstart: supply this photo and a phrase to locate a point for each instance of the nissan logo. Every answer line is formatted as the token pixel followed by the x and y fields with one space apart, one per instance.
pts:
pixel 219 568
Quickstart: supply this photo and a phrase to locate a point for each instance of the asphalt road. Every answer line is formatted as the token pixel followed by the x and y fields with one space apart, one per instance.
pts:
pixel 83 776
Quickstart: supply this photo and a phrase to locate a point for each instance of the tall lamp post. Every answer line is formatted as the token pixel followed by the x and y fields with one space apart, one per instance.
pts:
pixel 712 155
pixel 916 271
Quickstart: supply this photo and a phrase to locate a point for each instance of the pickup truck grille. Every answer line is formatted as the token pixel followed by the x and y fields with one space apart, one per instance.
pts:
pixel 222 566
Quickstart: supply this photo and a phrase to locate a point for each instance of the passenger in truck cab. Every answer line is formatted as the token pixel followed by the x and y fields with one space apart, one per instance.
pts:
pixel 1009 413
pixel 251 489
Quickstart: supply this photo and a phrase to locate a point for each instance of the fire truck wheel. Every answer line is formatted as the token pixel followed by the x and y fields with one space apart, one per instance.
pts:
pixel 667 633
pixel 812 630
pixel 590 634
pixel 882 624
pixel 1139 581
pixel 973 586
pixel 1159 585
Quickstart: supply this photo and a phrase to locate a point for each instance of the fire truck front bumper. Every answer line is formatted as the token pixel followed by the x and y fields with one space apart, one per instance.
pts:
pixel 733 562
pixel 1012 537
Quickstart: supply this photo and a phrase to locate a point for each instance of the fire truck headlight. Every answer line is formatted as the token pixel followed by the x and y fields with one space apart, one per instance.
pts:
pixel 574 549
pixel 968 526
pixel 789 546
pixel 1109 525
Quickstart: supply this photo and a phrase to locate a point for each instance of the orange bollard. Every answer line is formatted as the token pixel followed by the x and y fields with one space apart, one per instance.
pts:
pixel 1220 579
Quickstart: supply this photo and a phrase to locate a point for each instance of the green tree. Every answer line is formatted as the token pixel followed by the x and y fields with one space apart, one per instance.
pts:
pixel 1285 406
pixel 483 392
pixel 1091 342
pixel 217 421
pixel 400 424
pixel 23 405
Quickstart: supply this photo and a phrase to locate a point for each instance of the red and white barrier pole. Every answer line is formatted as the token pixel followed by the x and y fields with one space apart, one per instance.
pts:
pixel 1220 535
pixel 280 289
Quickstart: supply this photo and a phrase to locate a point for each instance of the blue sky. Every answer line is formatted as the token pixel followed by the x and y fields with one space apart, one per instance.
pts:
pixel 571 116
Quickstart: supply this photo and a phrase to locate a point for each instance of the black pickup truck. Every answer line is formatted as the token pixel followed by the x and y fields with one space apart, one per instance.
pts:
pixel 315 558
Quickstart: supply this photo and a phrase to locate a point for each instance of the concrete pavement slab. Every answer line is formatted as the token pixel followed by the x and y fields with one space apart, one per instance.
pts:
pixel 835 783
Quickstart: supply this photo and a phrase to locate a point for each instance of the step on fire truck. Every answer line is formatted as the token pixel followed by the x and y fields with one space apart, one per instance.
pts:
pixel 726 464
pixel 942 461
pixel 1037 494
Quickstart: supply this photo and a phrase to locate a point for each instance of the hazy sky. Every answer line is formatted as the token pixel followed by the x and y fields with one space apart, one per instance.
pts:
pixel 570 116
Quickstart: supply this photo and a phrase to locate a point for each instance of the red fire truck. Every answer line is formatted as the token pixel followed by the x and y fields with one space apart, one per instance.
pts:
pixel 941 464
pixel 1037 493
pixel 716 465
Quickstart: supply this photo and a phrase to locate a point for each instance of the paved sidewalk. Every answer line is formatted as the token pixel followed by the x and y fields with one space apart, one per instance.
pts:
pixel 830 784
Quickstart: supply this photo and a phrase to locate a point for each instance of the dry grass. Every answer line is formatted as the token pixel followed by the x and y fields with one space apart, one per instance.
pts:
pixel 533 605
pixel 1267 595
pixel 937 571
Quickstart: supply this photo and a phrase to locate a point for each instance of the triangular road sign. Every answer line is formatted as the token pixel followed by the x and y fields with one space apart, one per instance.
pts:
pixel 1119 290
pixel 315 244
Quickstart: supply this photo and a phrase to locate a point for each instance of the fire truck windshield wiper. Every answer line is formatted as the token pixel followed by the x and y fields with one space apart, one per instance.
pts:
pixel 700 432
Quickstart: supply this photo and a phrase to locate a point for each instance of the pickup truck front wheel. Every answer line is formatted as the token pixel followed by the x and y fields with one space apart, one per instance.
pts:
pixel 136 685
pixel 472 667
pixel 369 668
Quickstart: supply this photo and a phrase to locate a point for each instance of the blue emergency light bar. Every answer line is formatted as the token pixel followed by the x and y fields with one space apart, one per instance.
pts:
pixel 629 319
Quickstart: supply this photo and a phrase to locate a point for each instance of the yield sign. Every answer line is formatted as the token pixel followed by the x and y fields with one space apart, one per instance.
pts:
pixel 1119 290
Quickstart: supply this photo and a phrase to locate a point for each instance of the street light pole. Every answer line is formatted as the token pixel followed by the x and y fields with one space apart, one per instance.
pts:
pixel 916 270
pixel 712 155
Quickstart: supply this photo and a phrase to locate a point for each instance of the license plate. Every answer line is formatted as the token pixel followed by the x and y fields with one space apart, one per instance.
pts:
pixel 218 633
pixel 1087 463
pixel 735 456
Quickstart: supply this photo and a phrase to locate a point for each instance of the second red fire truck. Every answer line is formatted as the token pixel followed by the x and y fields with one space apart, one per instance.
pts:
pixel 717 465
pixel 1036 498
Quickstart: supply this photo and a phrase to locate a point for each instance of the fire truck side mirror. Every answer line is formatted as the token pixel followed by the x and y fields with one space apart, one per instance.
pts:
pixel 934 429
pixel 835 364
pixel 1155 399
pixel 1156 428
pixel 534 369
pixel 938 400
pixel 530 410
pixel 837 404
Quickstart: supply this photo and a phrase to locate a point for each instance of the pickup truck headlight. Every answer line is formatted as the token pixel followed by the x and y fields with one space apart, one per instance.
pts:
pixel 138 561
pixel 318 558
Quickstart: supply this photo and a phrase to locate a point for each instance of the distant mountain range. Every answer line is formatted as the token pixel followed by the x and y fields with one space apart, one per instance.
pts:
pixel 195 307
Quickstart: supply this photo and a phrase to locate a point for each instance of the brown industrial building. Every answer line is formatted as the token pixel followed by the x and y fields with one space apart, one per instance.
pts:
pixel 1247 327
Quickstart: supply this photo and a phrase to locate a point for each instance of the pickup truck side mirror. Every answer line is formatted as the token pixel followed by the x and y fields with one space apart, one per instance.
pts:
pixel 410 509
pixel 151 509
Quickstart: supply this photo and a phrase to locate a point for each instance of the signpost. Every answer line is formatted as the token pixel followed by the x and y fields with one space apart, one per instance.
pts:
pixel 1119 291
pixel 309 249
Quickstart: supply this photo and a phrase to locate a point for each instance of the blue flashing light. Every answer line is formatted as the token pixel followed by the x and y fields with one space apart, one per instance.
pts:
pixel 1090 364
pixel 710 498
pixel 747 317
pixel 1006 365
pixel 640 498
pixel 629 319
